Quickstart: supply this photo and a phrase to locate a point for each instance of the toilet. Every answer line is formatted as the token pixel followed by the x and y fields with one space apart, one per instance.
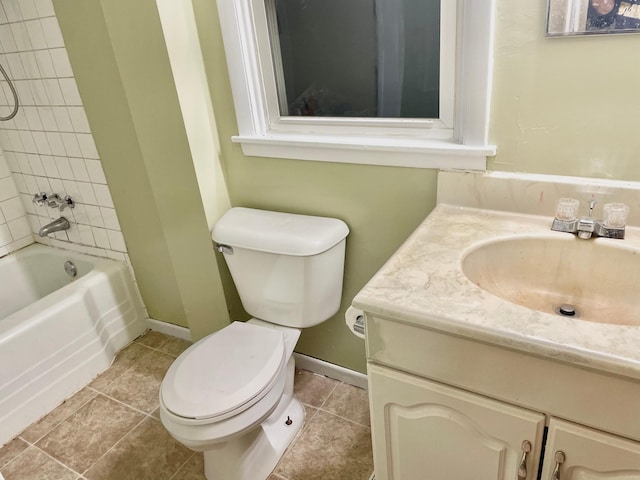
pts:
pixel 230 395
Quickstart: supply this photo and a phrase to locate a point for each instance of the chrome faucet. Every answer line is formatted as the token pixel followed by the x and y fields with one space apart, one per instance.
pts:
pixel 612 226
pixel 55 226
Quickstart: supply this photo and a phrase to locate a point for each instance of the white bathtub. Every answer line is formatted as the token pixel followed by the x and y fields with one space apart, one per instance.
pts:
pixel 57 332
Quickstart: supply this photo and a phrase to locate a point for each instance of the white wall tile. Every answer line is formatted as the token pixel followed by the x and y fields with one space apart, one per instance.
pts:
pixel 79 169
pixel 5 235
pixel 45 8
pixel 6 39
pixel 12 209
pixel 20 36
pixel 64 168
pixel 87 194
pixel 48 145
pixel 36 165
pixel 96 173
pixel 101 237
pixel 55 143
pixel 70 91
pixel 50 168
pixel 48 120
pixel 116 240
pixel 87 145
pixel 62 119
pixel 61 62
pixel 103 196
pixel 28 9
pixel 12 10
pixel 71 144
pixel 52 32
pixel 79 120
pixel 45 64
pixel 36 35
pixel 3 16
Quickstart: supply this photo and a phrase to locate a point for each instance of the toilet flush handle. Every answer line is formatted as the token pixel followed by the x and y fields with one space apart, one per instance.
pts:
pixel 226 249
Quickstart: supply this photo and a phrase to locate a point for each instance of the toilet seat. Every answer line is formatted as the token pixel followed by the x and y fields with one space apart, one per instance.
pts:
pixel 224 374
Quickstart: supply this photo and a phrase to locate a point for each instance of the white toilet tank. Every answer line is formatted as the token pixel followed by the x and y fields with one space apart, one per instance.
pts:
pixel 287 268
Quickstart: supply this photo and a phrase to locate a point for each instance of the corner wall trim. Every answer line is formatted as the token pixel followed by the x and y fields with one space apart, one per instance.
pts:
pixel 331 370
pixel 169 329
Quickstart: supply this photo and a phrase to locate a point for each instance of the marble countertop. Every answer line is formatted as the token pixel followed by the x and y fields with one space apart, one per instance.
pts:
pixel 423 284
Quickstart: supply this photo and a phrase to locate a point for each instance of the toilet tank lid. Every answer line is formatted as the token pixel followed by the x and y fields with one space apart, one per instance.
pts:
pixel 276 232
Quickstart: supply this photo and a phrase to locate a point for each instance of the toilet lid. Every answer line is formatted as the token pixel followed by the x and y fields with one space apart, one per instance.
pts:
pixel 224 371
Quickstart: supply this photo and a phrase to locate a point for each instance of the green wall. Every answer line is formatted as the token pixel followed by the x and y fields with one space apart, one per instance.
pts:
pixel 560 106
pixel 121 66
pixel 565 106
pixel 381 205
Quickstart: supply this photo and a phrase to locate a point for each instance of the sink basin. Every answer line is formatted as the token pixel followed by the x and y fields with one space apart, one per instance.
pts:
pixel 598 279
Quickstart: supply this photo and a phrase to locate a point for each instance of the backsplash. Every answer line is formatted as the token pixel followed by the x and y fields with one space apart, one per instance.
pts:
pixel 48 146
pixel 15 231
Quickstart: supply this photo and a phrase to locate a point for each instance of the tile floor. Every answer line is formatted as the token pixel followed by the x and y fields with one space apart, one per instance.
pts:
pixel 111 430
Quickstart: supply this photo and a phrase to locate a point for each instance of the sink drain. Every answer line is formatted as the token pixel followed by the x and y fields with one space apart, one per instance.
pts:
pixel 566 310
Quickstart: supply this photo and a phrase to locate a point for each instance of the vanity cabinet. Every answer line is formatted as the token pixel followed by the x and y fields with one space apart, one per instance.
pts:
pixel 445 407
pixel 429 431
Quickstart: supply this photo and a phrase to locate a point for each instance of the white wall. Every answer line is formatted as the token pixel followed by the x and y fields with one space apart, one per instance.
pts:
pixel 49 146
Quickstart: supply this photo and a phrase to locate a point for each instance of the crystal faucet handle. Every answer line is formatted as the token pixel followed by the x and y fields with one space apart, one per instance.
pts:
pixel 615 215
pixel 567 209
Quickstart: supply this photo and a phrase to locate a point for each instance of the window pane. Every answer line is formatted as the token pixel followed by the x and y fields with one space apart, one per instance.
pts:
pixel 357 58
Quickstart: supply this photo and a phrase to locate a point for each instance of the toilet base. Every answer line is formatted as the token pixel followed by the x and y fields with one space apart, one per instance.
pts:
pixel 254 455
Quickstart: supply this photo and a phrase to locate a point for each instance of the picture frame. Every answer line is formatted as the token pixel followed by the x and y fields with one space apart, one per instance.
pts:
pixel 592 17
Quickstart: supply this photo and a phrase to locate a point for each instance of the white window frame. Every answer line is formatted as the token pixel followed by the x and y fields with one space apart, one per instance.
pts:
pixel 419 143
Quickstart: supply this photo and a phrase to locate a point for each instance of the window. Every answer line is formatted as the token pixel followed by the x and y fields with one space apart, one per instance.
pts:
pixel 387 82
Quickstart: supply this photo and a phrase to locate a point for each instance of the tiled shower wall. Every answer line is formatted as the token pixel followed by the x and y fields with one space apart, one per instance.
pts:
pixel 15 231
pixel 48 146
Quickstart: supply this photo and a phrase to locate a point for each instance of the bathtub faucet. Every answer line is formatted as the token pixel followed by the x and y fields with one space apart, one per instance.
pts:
pixel 55 226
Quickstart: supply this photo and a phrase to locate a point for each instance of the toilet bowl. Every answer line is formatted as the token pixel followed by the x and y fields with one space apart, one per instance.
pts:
pixel 230 395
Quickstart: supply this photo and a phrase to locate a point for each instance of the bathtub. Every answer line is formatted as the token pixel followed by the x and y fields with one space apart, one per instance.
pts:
pixel 58 332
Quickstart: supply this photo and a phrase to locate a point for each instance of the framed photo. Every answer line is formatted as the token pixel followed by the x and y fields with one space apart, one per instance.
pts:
pixel 586 17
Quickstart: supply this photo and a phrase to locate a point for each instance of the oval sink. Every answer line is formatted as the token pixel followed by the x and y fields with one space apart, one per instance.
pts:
pixel 598 279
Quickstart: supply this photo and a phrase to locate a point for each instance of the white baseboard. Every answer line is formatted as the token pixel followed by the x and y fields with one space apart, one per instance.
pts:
pixel 304 362
pixel 331 370
pixel 169 329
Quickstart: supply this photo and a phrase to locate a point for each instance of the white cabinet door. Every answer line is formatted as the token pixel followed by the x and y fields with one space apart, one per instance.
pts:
pixel 423 430
pixel 589 454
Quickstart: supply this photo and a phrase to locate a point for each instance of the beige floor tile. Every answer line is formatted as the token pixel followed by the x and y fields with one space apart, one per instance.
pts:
pixel 32 464
pixel 11 450
pixel 329 448
pixel 349 402
pixel 140 384
pixel 312 389
pixel 193 469
pixel 89 433
pixel 165 343
pixel 309 412
pixel 125 359
pixel 147 452
pixel 152 339
pixel 37 430
pixel 275 477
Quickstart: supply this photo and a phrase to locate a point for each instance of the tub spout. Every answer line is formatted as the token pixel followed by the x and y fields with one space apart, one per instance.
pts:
pixel 55 226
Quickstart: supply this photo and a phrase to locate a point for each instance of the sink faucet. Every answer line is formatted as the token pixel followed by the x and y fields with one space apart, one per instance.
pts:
pixel 55 226
pixel 612 226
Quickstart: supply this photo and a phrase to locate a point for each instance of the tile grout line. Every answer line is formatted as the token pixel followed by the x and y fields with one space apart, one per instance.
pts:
pixel 193 454
pixel 114 445
pixel 150 415
pixel 57 424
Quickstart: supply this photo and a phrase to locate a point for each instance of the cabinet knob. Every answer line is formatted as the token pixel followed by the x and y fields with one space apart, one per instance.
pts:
pixel 522 467
pixel 559 457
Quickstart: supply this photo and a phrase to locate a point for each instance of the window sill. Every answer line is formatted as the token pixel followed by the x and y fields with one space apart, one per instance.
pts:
pixel 396 152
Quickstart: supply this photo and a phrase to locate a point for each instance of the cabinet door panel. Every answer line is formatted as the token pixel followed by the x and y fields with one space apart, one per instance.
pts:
pixel 427 431
pixel 590 454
